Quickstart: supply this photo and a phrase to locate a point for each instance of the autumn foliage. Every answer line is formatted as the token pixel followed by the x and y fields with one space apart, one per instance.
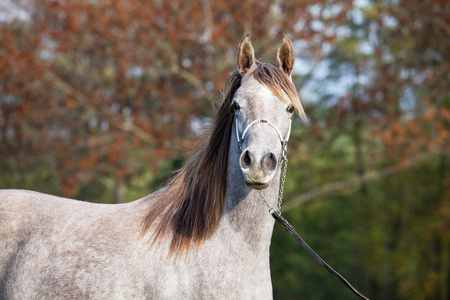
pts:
pixel 91 84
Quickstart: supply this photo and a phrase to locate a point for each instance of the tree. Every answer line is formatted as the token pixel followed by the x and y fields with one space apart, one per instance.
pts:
pixel 381 145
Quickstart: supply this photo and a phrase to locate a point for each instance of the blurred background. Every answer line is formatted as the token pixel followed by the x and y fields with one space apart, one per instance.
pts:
pixel 103 100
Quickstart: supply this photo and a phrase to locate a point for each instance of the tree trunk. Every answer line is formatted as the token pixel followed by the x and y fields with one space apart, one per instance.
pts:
pixel 120 188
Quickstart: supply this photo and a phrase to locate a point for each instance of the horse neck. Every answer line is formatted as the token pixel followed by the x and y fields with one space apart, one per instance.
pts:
pixel 244 209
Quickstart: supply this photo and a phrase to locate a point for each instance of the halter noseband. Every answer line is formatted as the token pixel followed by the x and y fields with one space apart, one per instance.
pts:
pixel 283 141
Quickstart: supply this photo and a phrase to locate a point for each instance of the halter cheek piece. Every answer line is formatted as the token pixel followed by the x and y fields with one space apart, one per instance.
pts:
pixel 284 142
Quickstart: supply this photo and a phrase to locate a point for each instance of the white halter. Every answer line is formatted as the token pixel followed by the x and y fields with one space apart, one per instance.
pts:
pixel 283 141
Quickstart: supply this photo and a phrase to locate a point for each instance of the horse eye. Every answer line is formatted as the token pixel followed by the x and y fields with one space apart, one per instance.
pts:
pixel 235 106
pixel 290 108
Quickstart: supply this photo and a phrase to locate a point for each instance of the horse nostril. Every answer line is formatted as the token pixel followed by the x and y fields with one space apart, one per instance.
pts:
pixel 269 162
pixel 246 160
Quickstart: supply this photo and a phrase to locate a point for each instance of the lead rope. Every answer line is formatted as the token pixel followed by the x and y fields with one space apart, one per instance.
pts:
pixel 276 214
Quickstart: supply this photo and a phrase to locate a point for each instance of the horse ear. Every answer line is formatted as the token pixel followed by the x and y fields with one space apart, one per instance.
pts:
pixel 285 56
pixel 246 55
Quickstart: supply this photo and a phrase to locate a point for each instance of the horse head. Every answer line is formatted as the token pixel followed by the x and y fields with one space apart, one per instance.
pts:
pixel 263 107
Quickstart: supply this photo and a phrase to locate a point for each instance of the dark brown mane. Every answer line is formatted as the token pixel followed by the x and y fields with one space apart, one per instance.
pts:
pixel 190 207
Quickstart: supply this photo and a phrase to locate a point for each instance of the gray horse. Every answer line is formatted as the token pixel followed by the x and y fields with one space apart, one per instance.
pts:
pixel 206 235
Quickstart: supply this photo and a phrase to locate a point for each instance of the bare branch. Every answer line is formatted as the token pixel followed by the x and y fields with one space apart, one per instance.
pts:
pixel 193 80
pixel 354 182
pixel 116 121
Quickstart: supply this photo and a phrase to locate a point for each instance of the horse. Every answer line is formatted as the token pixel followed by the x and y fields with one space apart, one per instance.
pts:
pixel 205 235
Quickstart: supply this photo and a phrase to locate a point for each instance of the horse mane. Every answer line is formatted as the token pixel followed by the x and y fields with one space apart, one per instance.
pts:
pixel 190 206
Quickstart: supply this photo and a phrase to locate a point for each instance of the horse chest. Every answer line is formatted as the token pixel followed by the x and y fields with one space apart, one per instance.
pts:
pixel 213 278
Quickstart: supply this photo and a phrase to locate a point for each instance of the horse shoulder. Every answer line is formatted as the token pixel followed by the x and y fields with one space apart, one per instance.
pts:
pixel 50 244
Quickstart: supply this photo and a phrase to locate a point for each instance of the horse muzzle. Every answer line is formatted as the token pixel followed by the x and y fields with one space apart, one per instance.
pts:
pixel 258 168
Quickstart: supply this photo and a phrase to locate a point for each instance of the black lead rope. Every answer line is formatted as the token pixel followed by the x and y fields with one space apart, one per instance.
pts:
pixel 291 230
